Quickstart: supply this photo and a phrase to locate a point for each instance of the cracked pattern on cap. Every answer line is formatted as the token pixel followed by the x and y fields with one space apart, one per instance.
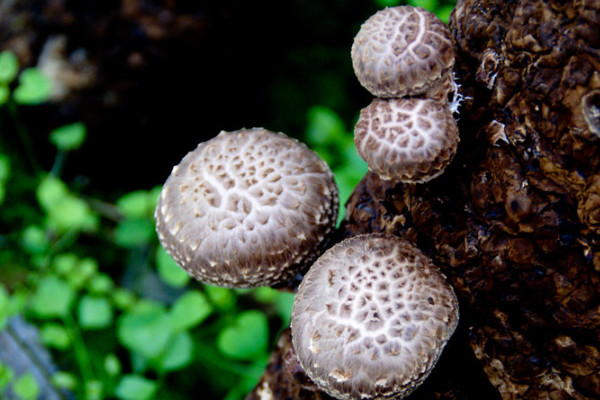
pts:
pixel 247 208
pixel 406 140
pixel 371 318
pixel 402 51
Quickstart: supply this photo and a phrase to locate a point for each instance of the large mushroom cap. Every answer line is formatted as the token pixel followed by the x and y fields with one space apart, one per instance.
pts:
pixel 371 318
pixel 402 51
pixel 406 140
pixel 247 208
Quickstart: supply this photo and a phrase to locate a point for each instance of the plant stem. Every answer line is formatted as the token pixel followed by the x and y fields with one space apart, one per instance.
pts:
pixel 24 136
pixel 59 163
pixel 81 353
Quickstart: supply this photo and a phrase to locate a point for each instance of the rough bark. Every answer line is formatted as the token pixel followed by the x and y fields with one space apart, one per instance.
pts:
pixel 514 222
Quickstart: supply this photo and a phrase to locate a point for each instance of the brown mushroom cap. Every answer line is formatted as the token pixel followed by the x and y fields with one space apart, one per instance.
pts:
pixel 406 140
pixel 402 51
pixel 247 208
pixel 371 318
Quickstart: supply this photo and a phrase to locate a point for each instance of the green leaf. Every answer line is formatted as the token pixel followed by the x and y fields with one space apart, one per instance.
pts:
pixel 134 232
pixel 246 338
pixel 65 211
pixel 84 271
pixel 101 284
pixel 325 127
pixel 18 301
pixel 34 240
pixel 64 263
pixel 51 191
pixel 34 87
pixel 4 94
pixel 72 213
pixel 178 354
pixel 55 335
pixel 9 67
pixel 26 387
pixel 4 306
pixel 64 380
pixel 123 299
pixel 93 390
pixel 137 204
pixel 189 310
pixel 431 5
pixel 222 298
pixel 94 312
pixel 169 271
pixel 6 376
pixel 135 387
pixel 68 137
pixel 444 12
pixel 52 298
pixel 145 329
pixel 112 365
pixel 387 3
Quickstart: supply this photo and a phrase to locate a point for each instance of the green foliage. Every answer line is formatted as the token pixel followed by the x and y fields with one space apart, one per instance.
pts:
pixel 327 134
pixel 94 312
pixel 68 137
pixel 9 67
pixel 119 316
pixel 4 306
pixel 112 338
pixel 136 387
pixel 4 172
pixel 169 271
pixel 441 8
pixel 34 88
pixel 26 387
pixel 245 337
pixel 52 298
pixel 6 376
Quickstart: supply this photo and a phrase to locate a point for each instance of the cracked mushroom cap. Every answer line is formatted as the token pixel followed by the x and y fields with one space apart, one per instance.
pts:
pixel 402 51
pixel 247 208
pixel 406 140
pixel 371 318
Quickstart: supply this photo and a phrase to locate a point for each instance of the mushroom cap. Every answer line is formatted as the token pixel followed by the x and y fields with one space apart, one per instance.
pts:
pixel 406 140
pixel 371 318
pixel 402 51
pixel 247 208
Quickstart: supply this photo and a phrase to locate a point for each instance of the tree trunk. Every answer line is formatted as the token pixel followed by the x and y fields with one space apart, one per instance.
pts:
pixel 514 222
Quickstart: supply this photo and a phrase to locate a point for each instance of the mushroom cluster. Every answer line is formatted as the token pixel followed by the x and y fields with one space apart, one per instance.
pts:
pixel 247 208
pixel 404 56
pixel 371 318
pixel 254 208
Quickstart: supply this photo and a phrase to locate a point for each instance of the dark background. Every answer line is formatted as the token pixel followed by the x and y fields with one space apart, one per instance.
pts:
pixel 170 74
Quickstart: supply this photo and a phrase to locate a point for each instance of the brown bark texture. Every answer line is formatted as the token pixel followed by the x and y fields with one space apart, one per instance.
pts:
pixel 514 222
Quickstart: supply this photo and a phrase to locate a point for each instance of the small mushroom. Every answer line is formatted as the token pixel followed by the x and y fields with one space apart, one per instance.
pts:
pixel 371 318
pixel 247 208
pixel 406 140
pixel 402 51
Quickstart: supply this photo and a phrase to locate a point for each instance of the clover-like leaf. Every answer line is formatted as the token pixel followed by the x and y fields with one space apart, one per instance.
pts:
pixel 94 312
pixel 246 337
pixel 68 137
pixel 189 310
pixel 34 88
pixel 9 67
pixel 145 329
pixel 135 387
pixel 52 298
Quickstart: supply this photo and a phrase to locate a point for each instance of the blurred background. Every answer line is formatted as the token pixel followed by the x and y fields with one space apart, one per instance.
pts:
pixel 98 101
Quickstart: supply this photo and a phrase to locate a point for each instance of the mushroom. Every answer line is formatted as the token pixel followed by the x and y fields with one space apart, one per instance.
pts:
pixel 371 318
pixel 247 208
pixel 408 140
pixel 402 51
